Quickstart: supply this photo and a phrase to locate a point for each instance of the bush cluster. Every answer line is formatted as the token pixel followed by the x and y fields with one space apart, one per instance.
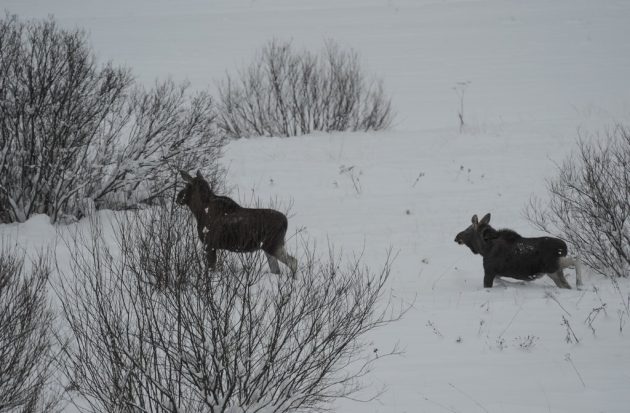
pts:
pixel 152 329
pixel 286 93
pixel 589 205
pixel 146 326
pixel 26 335
pixel 76 136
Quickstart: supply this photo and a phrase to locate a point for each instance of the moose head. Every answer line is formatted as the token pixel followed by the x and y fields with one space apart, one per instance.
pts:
pixel 197 191
pixel 475 234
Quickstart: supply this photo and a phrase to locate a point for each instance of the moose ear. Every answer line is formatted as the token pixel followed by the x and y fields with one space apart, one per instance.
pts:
pixel 199 174
pixel 486 219
pixel 186 176
pixel 475 221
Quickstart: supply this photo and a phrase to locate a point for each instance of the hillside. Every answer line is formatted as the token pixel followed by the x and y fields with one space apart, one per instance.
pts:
pixel 538 73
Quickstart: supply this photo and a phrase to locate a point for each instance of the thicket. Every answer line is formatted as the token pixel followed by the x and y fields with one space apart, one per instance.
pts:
pixel 152 329
pixel 146 325
pixel 589 202
pixel 285 92
pixel 76 135
pixel 26 335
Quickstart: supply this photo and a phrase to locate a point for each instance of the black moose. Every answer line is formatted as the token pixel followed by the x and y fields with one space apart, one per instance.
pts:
pixel 222 224
pixel 506 253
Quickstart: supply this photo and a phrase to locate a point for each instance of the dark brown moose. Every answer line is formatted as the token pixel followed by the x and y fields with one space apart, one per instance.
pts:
pixel 222 224
pixel 506 253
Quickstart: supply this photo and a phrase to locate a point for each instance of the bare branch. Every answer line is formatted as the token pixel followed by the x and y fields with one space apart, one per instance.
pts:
pixel 153 327
pixel 288 93
pixel 588 202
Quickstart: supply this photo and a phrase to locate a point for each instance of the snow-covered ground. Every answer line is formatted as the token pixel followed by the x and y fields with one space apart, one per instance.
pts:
pixel 538 71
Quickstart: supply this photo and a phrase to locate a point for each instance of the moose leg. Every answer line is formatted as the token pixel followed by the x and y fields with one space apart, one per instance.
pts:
pixel 286 259
pixel 578 273
pixel 558 278
pixel 211 256
pixel 488 279
pixel 273 264
pixel 565 262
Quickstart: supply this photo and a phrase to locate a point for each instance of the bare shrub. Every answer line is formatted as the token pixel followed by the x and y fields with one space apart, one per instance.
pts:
pixel 588 202
pixel 53 99
pixel 460 90
pixel 153 134
pixel 153 329
pixel 75 135
pixel 288 93
pixel 25 335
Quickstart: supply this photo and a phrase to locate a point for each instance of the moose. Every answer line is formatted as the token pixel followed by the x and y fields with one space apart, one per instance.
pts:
pixel 506 253
pixel 222 224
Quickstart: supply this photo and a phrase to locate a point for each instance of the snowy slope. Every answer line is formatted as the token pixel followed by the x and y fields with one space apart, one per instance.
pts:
pixel 467 349
pixel 539 70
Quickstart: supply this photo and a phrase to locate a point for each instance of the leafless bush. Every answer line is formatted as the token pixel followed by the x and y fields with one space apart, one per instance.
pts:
pixel 588 203
pixel 527 342
pixel 592 316
pixel 153 329
pixel 157 132
pixel 25 335
pixel 288 93
pixel 351 172
pixel 75 135
pixel 569 336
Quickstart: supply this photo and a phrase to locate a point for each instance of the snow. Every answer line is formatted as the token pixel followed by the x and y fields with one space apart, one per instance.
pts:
pixel 538 72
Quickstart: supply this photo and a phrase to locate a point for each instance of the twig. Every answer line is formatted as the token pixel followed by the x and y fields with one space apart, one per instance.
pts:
pixel 450 409
pixel 546 398
pixel 470 397
pixel 435 329
pixel 549 294
pixel 568 358
pixel 420 175
pixel 625 303
pixel 460 90
pixel 444 273
pixel 590 319
pixel 569 330
pixel 511 321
